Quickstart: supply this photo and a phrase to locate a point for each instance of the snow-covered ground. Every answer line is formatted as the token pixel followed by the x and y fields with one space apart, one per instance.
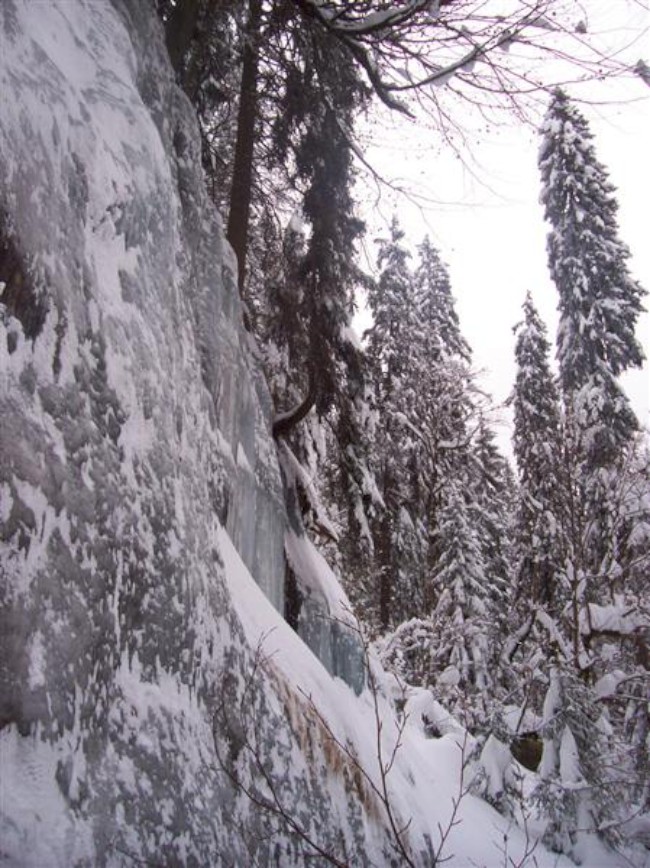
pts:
pixel 429 775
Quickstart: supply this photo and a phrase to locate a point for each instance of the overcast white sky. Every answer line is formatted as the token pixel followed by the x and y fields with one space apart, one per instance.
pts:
pixel 488 224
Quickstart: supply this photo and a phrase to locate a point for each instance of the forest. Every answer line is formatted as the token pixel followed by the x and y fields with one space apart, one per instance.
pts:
pixel 186 404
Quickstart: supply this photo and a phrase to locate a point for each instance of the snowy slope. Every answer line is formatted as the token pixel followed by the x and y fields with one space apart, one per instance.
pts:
pixel 139 492
pixel 428 773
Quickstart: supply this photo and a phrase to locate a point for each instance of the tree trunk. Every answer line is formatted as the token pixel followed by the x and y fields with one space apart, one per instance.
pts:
pixel 284 424
pixel 242 178
pixel 179 29
pixel 384 552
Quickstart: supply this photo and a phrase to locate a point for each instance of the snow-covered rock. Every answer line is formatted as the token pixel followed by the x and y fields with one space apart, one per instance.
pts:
pixel 133 424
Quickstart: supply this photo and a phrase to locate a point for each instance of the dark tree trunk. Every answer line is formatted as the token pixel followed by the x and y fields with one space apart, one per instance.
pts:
pixel 385 573
pixel 384 551
pixel 242 178
pixel 287 422
pixel 179 30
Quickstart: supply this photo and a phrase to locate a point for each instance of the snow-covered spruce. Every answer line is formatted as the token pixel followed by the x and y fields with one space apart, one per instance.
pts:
pixel 537 448
pixel 599 305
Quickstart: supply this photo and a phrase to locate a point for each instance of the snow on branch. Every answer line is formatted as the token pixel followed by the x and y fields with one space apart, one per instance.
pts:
pixel 295 471
pixel 617 619
pixel 409 47
pixel 348 21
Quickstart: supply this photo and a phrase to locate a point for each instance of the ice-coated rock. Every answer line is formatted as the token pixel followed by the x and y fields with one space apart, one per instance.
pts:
pixel 133 423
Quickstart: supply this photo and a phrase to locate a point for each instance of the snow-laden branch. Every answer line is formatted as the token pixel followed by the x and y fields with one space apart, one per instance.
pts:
pixel 350 23
pixel 398 41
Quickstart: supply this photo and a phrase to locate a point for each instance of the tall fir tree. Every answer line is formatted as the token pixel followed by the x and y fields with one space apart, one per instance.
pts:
pixel 448 530
pixel 437 308
pixel 599 301
pixel 491 486
pixel 390 352
pixel 536 442
pixel 320 386
pixel 421 364
pixel 443 410
pixel 463 607
pixel 599 305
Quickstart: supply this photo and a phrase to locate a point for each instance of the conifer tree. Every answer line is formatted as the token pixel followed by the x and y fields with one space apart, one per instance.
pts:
pixel 491 486
pixel 421 367
pixel 446 522
pixel 443 409
pixel 536 442
pixel 599 301
pixel 449 649
pixel 441 332
pixel 442 357
pixel 463 607
pixel 335 366
pixel 580 791
pixel 599 305
pixel 392 304
pixel 391 359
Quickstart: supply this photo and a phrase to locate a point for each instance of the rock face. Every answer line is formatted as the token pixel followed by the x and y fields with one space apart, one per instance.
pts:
pixel 132 417
pixel 134 424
